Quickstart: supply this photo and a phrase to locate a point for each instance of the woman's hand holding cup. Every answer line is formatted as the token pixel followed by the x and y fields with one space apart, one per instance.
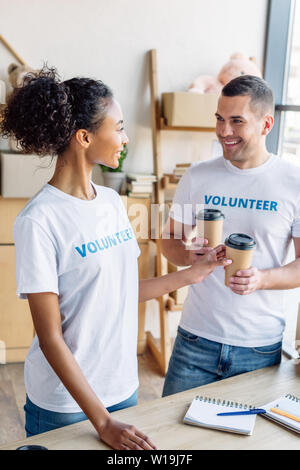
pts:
pixel 196 248
pixel 203 265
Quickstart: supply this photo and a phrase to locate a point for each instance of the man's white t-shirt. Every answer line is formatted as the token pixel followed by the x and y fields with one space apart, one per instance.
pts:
pixel 86 253
pixel 263 202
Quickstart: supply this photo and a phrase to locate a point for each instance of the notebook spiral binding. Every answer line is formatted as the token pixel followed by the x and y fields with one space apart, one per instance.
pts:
pixel 293 398
pixel 230 404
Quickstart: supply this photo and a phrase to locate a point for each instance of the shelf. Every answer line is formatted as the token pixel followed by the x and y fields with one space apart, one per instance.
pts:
pixel 12 152
pixel 165 127
pixel 159 349
pixel 172 306
pixel 165 183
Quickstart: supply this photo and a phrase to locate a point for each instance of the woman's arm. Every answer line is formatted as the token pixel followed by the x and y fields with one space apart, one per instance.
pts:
pixel 47 322
pixel 153 288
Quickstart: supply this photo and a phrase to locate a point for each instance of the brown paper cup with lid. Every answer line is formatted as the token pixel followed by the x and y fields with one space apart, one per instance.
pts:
pixel 210 226
pixel 239 248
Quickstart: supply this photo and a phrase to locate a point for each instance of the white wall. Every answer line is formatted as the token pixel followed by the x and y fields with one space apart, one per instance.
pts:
pixel 109 39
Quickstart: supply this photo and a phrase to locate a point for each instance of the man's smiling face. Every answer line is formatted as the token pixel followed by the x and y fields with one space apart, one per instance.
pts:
pixel 239 128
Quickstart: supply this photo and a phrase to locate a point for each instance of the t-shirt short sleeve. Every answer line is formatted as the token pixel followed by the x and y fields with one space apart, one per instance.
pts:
pixel 182 207
pixel 36 258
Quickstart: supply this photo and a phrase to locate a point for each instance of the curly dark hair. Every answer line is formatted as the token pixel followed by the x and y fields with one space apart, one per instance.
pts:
pixel 45 113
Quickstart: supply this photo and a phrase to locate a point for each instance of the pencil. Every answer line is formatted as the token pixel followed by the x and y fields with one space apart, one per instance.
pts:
pixel 284 413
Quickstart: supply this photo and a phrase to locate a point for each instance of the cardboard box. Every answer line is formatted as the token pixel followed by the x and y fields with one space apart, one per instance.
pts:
pixel 9 209
pixel 187 109
pixel 16 327
pixel 22 176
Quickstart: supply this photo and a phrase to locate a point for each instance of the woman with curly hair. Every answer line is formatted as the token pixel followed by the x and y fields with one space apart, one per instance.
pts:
pixel 76 262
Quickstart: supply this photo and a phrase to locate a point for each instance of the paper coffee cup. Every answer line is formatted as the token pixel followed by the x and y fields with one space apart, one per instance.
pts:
pixel 239 248
pixel 209 224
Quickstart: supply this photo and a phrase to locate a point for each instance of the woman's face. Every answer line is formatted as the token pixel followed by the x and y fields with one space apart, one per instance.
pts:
pixel 108 141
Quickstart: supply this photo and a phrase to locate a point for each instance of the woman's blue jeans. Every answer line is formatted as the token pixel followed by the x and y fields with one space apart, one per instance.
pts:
pixel 197 361
pixel 38 420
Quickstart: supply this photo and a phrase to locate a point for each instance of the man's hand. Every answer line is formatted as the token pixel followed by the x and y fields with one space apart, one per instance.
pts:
pixel 121 436
pixel 246 281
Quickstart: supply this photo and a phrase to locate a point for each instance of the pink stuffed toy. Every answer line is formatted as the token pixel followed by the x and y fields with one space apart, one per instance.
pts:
pixel 238 65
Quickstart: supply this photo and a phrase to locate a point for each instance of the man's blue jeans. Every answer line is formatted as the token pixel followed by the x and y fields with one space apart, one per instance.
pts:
pixel 39 420
pixel 197 361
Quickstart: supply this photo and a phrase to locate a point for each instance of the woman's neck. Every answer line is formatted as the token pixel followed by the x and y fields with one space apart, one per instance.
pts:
pixel 72 175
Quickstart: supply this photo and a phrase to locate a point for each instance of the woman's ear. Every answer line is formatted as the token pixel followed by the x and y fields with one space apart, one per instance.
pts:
pixel 83 137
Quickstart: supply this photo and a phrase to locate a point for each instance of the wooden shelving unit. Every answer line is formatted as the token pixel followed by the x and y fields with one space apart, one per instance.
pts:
pixel 161 348
pixel 164 127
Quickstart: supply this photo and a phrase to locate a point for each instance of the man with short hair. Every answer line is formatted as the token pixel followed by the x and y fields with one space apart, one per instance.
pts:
pixel 226 331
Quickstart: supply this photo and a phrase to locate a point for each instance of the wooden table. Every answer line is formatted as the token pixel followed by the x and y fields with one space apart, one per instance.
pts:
pixel 162 418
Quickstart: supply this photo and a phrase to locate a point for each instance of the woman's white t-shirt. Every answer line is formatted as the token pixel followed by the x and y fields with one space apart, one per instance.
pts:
pixel 86 253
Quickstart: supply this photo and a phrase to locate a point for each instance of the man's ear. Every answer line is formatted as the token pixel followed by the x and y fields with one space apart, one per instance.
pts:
pixel 83 137
pixel 268 124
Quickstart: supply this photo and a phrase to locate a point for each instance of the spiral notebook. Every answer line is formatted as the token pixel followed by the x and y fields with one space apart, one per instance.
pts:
pixel 203 412
pixel 288 404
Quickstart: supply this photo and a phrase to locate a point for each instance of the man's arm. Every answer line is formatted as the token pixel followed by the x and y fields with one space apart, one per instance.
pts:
pixel 284 277
pixel 175 241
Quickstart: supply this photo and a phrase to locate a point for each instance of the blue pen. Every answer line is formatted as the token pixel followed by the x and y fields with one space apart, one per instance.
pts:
pixel 254 411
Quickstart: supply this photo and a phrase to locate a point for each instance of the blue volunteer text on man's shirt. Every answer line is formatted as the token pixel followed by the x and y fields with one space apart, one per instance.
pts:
pixel 106 242
pixel 241 202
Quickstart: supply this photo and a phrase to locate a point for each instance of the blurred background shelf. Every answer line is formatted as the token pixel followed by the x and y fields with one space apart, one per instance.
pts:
pixel 165 127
